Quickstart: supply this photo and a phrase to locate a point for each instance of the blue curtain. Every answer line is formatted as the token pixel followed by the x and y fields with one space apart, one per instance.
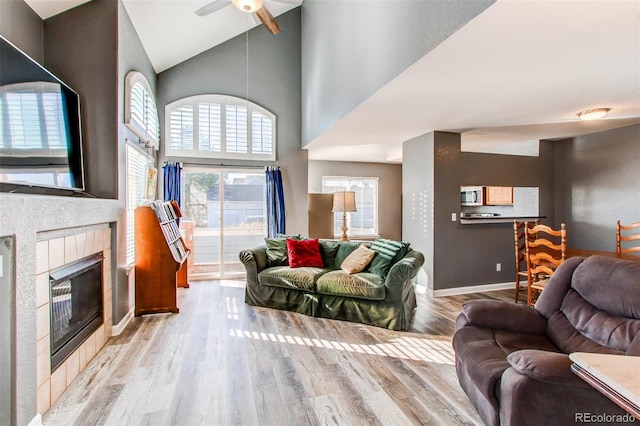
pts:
pixel 172 176
pixel 275 202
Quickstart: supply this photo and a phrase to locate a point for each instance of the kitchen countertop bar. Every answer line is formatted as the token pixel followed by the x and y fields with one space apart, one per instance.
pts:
pixel 497 219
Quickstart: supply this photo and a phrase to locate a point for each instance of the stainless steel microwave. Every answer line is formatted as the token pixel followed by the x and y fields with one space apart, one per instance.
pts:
pixel 471 195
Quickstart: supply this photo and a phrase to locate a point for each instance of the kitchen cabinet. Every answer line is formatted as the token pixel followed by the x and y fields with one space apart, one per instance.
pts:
pixel 498 195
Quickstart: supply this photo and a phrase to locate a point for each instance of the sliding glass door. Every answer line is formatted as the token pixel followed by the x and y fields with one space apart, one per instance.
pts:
pixel 226 211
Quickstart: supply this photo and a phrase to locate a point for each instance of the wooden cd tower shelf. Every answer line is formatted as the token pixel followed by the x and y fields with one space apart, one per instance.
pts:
pixel 161 258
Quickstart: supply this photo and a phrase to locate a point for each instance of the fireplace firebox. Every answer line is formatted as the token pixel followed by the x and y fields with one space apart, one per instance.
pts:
pixel 76 305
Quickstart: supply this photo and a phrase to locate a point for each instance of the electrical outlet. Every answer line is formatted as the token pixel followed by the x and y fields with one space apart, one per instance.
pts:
pixel 453 217
pixel 1 266
pixel 498 267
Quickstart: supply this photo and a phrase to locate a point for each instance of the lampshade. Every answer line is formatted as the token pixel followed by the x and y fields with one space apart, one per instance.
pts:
pixel 247 5
pixel 344 201
pixel 593 114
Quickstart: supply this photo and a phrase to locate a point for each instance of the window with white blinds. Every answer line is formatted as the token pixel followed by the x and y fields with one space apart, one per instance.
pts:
pixel 364 221
pixel 137 163
pixel 141 114
pixel 219 126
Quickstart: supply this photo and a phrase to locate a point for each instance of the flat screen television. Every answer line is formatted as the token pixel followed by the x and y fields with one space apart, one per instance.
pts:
pixel 40 134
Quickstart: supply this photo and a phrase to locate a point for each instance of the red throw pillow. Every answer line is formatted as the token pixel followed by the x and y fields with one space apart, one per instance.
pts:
pixel 304 253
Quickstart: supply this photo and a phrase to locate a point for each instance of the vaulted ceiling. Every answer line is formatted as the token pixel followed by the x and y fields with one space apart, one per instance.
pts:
pixel 517 73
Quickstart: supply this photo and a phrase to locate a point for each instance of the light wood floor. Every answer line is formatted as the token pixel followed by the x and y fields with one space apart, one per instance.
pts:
pixel 221 362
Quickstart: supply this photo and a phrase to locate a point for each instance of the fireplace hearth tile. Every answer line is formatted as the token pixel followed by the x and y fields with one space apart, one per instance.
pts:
pixel 90 243
pixel 43 364
pixel 42 257
pixel 90 346
pixel 106 238
pixel 42 289
pixel 42 321
pixel 50 255
pixel 82 358
pixel 43 345
pixel 73 366
pixel 44 396
pixel 56 253
pixel 100 338
pixel 107 258
pixel 106 281
pixel 81 244
pixel 70 252
pixel 58 381
pixel 107 312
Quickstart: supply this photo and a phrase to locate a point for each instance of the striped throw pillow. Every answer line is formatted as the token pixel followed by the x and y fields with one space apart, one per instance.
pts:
pixel 388 253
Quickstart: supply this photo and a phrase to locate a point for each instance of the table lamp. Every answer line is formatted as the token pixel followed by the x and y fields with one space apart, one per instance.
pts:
pixel 343 202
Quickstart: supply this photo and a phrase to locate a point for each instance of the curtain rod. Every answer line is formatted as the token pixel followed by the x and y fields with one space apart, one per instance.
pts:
pixel 237 166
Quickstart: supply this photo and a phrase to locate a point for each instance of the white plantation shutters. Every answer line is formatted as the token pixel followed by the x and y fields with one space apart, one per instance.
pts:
pixel 210 134
pixel 137 162
pixel 237 129
pixel 141 114
pixel 261 133
pixel 218 126
pixel 181 129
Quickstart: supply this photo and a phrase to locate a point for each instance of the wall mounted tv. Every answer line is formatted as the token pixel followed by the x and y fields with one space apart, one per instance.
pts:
pixel 40 134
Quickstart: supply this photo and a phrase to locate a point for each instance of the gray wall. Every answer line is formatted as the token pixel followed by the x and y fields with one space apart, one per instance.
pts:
pixel 274 83
pixel 95 65
pixel 597 183
pixel 389 189
pixel 347 54
pixel 23 27
pixel 131 57
pixel 81 48
pixel 466 255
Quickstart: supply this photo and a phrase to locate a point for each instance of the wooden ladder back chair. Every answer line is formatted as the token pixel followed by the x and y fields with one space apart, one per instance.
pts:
pixel 545 250
pixel 520 251
pixel 620 238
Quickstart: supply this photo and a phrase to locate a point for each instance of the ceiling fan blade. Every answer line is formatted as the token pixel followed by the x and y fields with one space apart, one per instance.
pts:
pixel 268 20
pixel 212 7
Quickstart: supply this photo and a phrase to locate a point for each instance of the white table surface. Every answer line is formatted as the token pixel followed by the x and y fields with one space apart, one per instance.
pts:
pixel 620 372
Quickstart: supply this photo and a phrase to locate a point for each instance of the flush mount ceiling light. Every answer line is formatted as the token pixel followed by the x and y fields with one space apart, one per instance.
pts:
pixel 247 5
pixel 593 114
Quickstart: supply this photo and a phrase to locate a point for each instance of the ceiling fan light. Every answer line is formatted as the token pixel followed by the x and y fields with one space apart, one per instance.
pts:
pixel 247 5
pixel 593 114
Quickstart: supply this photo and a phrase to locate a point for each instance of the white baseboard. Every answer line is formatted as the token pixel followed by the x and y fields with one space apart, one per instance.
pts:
pixel 471 289
pixel 36 421
pixel 124 322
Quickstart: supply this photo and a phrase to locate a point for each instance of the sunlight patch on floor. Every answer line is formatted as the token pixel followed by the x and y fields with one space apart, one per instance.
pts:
pixel 232 307
pixel 233 283
pixel 412 348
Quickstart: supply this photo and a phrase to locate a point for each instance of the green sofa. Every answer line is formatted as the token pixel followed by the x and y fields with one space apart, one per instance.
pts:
pixel 365 297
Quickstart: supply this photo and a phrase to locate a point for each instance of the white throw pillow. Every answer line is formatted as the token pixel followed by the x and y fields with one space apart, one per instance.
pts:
pixel 358 260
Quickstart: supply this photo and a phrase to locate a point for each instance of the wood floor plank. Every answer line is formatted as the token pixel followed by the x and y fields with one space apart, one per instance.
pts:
pixel 221 362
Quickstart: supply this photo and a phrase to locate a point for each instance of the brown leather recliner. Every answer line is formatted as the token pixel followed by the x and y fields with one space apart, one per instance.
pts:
pixel 512 360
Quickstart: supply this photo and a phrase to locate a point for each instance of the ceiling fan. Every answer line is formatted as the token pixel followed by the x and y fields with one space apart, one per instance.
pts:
pixel 255 7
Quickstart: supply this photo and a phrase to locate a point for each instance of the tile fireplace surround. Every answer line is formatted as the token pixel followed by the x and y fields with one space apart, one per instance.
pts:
pixel 51 254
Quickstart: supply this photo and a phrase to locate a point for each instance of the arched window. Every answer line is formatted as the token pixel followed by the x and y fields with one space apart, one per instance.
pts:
pixel 219 126
pixel 141 114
